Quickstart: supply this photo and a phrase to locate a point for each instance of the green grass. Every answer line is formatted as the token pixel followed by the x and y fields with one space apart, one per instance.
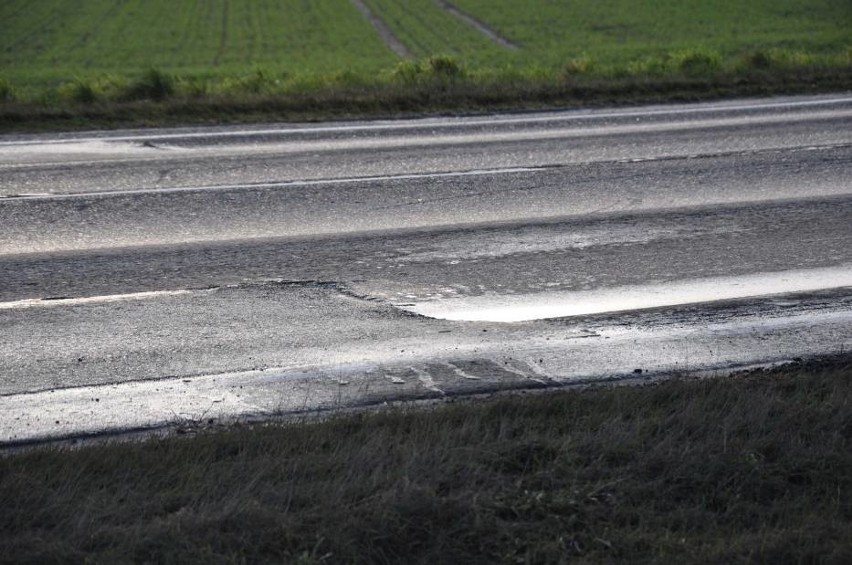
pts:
pixel 611 32
pixel 50 41
pixel 54 40
pixel 68 64
pixel 428 30
pixel 751 468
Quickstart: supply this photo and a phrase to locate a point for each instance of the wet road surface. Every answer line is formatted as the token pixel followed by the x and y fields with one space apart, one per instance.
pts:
pixel 151 277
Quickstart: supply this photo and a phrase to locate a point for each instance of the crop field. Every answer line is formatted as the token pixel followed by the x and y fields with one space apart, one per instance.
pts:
pixel 615 31
pixel 45 40
pixel 427 29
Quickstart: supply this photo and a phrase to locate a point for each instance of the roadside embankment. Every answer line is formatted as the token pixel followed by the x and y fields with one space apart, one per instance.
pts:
pixel 438 85
pixel 754 467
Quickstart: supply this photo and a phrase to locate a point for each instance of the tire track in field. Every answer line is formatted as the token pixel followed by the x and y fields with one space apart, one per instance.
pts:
pixel 420 46
pixel 223 38
pixel 476 24
pixel 110 15
pixel 393 43
pixel 32 35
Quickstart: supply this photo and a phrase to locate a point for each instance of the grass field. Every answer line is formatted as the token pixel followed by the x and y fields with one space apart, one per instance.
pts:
pixel 70 63
pixel 427 30
pixel 610 32
pixel 742 469
pixel 47 41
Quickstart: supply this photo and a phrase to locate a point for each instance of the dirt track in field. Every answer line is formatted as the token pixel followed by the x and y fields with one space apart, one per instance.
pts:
pixel 393 43
pixel 476 24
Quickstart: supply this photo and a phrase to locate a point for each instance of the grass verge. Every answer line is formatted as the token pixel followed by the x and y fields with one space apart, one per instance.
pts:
pixel 750 468
pixel 104 63
pixel 437 85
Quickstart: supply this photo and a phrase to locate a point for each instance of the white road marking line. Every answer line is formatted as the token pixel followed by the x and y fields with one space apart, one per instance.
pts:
pixel 51 302
pixel 284 184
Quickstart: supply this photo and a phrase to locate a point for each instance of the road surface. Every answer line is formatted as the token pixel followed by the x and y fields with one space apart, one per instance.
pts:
pixel 159 276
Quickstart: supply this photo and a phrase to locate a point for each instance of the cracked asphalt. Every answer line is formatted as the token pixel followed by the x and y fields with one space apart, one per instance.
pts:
pixel 163 275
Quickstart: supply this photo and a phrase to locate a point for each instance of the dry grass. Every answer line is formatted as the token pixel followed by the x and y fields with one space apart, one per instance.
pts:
pixel 755 468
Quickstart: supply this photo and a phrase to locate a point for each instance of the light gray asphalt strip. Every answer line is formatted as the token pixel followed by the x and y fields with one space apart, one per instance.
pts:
pixel 82 342
pixel 461 359
pixel 88 222
pixel 165 169
pixel 523 258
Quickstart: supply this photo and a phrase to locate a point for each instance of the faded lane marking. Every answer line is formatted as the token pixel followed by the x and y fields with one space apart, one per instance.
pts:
pixel 88 147
pixel 284 184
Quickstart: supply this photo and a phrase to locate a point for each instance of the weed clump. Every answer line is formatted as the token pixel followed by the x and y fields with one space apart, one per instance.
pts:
pixel 444 66
pixel 80 91
pixel 697 62
pixel 407 72
pixel 436 67
pixel 193 87
pixel 691 62
pixel 7 91
pixel 760 60
pixel 577 66
pixel 153 85
pixel 259 81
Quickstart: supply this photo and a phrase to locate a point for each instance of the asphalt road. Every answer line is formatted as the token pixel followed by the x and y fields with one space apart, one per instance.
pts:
pixel 177 275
